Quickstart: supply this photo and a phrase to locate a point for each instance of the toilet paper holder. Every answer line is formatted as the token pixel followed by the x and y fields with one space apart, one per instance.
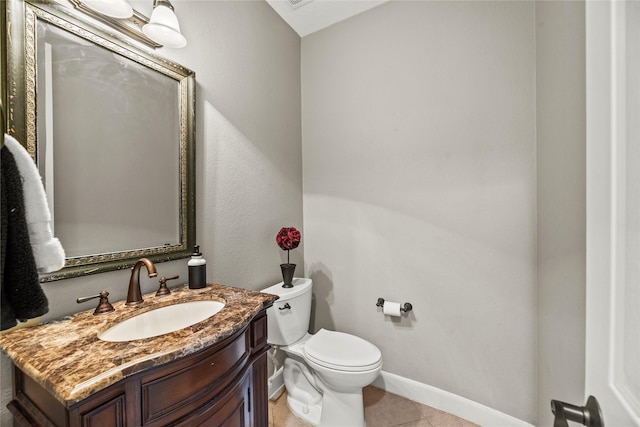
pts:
pixel 405 308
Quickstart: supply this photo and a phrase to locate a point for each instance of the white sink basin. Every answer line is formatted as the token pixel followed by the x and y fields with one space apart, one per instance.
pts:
pixel 161 321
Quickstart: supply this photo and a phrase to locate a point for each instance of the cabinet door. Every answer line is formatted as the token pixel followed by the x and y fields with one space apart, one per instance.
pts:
pixel 260 391
pixel 104 408
pixel 110 413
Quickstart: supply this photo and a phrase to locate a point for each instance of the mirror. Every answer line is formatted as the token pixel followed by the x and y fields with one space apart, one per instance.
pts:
pixel 111 128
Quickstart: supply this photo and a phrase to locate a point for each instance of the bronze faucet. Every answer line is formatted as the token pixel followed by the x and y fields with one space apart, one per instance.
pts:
pixel 134 296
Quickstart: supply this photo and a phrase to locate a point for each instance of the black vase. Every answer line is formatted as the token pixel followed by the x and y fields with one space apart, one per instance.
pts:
pixel 287 274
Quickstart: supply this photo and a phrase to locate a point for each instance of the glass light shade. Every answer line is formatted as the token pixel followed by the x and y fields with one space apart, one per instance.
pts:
pixel 113 8
pixel 163 27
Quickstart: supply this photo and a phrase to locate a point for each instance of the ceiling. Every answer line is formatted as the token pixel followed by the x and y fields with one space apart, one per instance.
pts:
pixel 309 16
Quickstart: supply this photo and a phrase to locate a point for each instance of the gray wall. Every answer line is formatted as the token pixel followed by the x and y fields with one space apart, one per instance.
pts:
pixel 420 183
pixel 561 125
pixel 249 167
pixel 419 147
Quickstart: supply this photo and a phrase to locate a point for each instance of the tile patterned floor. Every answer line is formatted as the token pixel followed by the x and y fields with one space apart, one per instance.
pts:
pixel 381 409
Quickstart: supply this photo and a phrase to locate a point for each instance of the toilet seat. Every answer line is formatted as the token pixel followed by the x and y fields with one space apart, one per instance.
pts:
pixel 342 352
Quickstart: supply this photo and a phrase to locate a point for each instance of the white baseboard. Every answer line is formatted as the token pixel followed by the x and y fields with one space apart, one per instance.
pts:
pixel 445 401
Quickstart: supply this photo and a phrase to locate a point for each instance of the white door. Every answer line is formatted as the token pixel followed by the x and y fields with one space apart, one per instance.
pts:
pixel 613 209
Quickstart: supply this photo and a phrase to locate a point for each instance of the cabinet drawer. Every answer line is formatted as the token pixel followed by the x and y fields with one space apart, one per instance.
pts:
pixel 169 395
pixel 229 410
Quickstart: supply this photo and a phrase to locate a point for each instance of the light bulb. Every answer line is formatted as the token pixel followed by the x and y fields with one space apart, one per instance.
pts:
pixel 113 8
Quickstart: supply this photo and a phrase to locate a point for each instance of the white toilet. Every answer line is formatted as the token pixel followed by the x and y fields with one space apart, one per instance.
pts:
pixel 324 373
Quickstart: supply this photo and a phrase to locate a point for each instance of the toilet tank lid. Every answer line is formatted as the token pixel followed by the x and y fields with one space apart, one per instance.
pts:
pixel 300 286
pixel 341 350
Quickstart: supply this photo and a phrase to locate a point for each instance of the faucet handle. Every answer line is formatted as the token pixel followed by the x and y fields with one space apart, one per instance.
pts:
pixel 104 306
pixel 163 290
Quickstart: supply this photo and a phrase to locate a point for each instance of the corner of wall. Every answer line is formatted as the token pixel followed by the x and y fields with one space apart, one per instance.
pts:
pixel 561 212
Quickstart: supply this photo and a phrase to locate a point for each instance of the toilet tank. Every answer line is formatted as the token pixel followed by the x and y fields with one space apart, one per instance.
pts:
pixel 288 318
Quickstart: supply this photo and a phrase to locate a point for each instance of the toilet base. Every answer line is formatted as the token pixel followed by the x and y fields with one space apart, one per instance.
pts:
pixel 335 410
pixel 344 409
pixel 308 413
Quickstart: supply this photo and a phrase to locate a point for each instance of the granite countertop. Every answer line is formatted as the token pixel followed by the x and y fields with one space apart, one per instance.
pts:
pixel 67 358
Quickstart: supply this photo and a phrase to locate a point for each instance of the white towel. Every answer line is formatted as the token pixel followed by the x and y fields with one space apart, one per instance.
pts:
pixel 47 250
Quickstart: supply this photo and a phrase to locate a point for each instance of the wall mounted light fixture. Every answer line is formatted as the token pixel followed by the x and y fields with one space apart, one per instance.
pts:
pixel 162 29
pixel 163 26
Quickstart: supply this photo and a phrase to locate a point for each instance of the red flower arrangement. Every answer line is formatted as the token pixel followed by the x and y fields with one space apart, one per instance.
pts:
pixel 288 238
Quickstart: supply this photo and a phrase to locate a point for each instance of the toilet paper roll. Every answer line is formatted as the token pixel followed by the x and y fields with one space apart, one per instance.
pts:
pixel 391 308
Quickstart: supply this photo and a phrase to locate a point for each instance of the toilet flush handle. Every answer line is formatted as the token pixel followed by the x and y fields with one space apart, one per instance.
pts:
pixel 286 307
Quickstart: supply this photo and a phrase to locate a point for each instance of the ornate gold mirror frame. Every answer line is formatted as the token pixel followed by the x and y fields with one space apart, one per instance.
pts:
pixel 19 94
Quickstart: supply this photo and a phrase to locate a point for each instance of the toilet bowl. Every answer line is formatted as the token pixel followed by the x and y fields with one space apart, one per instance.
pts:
pixel 323 373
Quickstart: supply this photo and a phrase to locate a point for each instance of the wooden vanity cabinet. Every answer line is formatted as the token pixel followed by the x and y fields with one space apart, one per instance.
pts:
pixel 223 385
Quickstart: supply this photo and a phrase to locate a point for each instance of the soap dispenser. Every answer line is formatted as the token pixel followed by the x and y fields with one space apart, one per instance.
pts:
pixel 197 270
